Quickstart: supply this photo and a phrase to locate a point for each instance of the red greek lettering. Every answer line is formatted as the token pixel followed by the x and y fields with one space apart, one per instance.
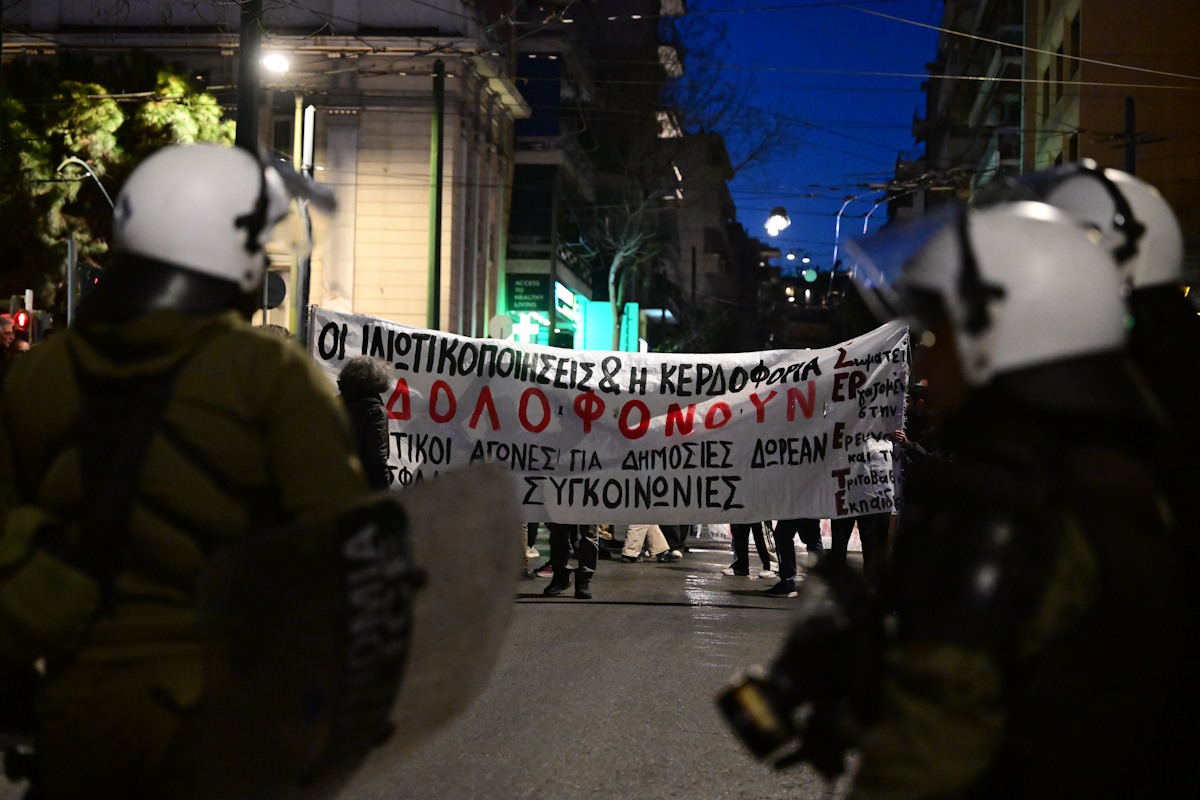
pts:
pixel 452 404
pixel 710 418
pixel 399 393
pixel 760 406
pixel 589 408
pixel 675 417
pixel 807 404
pixel 523 410
pixel 485 401
pixel 643 424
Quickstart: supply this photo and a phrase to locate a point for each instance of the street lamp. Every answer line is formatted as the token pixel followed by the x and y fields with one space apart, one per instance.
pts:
pixel 837 233
pixel 81 163
pixel 276 62
pixel 777 221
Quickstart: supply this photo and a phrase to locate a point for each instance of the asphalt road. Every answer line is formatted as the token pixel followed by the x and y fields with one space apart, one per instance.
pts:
pixel 609 698
pixel 613 697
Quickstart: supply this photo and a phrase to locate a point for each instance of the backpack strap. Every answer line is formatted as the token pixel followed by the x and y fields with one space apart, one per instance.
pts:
pixel 118 419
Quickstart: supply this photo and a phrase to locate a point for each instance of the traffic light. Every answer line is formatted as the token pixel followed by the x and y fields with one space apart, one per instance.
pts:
pixel 27 323
pixel 89 276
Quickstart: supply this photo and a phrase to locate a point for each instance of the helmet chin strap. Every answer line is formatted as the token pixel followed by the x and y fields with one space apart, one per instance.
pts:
pixel 255 221
pixel 137 284
pixel 1123 217
pixel 975 293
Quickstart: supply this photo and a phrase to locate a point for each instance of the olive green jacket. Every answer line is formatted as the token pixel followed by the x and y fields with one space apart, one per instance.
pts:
pixel 251 437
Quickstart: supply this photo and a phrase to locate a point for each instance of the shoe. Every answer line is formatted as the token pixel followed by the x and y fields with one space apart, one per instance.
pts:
pixel 731 571
pixel 532 552
pixel 558 584
pixel 677 553
pixel 668 557
pixel 782 589
pixel 628 559
pixel 527 575
pixel 582 583
pixel 768 573
pixel 544 571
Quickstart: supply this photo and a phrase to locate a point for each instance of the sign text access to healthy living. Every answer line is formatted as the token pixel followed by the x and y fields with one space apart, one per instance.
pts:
pixel 595 436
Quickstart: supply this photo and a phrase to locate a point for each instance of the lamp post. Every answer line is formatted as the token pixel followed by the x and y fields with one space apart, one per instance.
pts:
pixel 81 163
pixel 302 140
pixel 837 235
pixel 249 42
pixel 72 266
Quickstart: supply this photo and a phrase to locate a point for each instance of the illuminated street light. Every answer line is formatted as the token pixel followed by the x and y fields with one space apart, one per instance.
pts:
pixel 777 221
pixel 276 62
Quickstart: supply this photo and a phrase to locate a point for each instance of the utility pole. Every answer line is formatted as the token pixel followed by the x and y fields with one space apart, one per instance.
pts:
pixel 434 305
pixel 249 38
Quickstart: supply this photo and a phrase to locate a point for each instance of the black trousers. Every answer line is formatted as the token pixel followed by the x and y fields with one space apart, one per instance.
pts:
pixel 586 551
pixel 676 535
pixel 809 531
pixel 741 546
pixel 872 532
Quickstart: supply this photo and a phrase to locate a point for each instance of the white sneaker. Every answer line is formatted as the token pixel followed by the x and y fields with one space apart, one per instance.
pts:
pixel 768 573
pixel 729 571
pixel 532 552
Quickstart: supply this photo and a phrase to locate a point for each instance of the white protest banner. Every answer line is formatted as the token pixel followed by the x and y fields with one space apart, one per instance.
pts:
pixel 600 436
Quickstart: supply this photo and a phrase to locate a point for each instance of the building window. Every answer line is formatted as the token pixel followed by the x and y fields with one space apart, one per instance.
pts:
pixel 1046 94
pixel 1058 72
pixel 1076 39
pixel 282 139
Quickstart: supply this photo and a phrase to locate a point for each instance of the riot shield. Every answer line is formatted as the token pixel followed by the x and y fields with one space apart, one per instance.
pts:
pixel 465 540
pixel 312 632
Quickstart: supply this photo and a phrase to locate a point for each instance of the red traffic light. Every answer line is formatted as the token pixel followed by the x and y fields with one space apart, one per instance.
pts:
pixel 21 320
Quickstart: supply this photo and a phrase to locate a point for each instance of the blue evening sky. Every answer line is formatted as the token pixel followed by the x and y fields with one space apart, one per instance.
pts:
pixel 821 65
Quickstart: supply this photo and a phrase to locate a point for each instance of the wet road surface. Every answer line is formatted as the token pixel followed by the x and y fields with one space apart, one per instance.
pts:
pixel 613 697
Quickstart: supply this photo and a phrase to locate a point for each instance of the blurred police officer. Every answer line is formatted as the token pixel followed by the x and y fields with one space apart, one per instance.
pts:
pixel 1042 592
pixel 156 432
pixel 1133 222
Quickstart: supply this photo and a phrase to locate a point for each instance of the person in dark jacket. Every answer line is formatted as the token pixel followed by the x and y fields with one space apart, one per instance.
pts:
pixel 360 382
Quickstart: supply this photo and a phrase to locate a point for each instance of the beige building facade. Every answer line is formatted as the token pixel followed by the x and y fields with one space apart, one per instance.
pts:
pixel 360 82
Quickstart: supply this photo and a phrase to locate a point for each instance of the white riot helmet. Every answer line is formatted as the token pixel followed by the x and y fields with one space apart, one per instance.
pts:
pixel 1021 283
pixel 1135 223
pixel 204 208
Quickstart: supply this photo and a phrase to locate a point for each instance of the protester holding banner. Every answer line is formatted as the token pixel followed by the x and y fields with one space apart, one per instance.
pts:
pixel 627 437
pixel 872 537
pixel 587 550
pixel 361 382
pixel 786 533
pixel 1044 603
pixel 651 536
pixel 741 550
